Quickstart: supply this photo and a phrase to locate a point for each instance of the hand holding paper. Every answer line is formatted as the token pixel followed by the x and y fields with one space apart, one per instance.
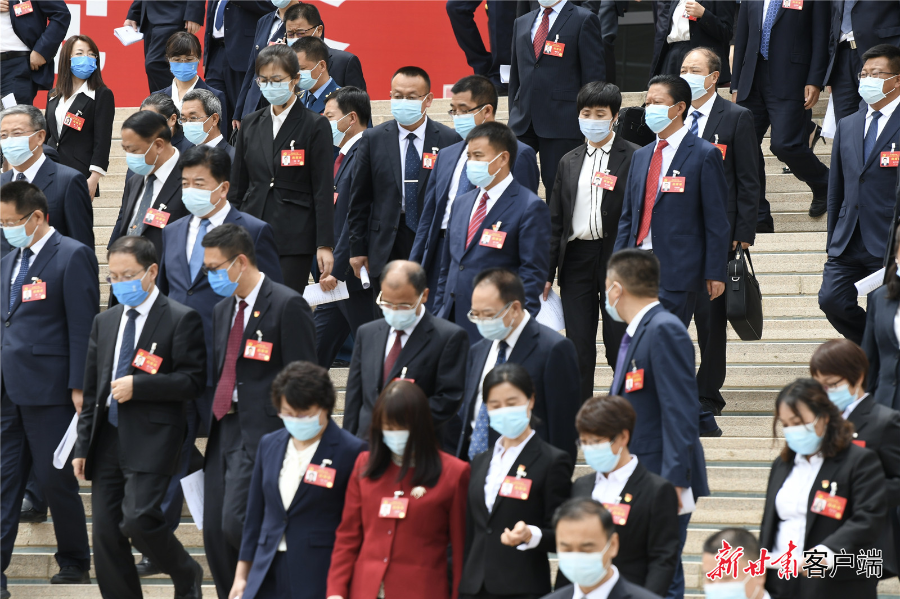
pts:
pixel 128 35
pixel 551 314
pixel 315 295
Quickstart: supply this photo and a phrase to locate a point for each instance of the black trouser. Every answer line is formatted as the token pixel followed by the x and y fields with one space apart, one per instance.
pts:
pixel 803 587
pixel 501 15
pixel 711 320
pixel 16 79
pixel 159 75
pixel 277 583
pixel 675 53
pixel 127 505
pixel 336 320
pixel 219 75
pixel 401 250
pixel 550 150
pixel 174 499
pixel 296 270
pixel 845 81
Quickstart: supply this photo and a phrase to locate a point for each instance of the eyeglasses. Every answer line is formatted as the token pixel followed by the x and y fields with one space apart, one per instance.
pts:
pixel 397 307
pixel 877 74
pixel 15 223
pixel 91 54
pixel 475 318
pixel 17 134
pixel 402 97
pixel 205 269
pixel 301 32
pixel 125 277
pixel 193 119
pixel 475 110
pixel 260 81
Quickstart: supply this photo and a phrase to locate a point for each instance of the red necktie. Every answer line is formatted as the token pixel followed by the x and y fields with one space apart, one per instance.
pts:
pixel 477 218
pixel 225 388
pixel 540 36
pixel 651 190
pixel 337 164
pixel 392 356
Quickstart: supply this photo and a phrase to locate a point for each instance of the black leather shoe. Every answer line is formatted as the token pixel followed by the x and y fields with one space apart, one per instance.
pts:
pixel 196 589
pixel 715 433
pixel 4 594
pixel 765 227
pixel 71 575
pixel 340 364
pixel 819 204
pixel 29 514
pixel 147 568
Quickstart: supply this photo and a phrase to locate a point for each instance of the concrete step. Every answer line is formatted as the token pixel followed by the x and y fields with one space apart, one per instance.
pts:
pixel 742 449
pixel 39 563
pixel 92 591
pixel 798 222
pixel 743 376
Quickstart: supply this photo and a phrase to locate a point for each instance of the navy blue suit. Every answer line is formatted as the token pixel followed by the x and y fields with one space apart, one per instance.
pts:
pixel 44 346
pixel 318 103
pixel 250 98
pixel 43 30
pixel 525 219
pixel 346 68
pixel 158 20
pixel 882 349
pixel 860 209
pixel 501 16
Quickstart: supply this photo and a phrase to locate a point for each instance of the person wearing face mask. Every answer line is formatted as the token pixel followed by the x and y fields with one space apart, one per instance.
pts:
pixel 584 217
pixel 315 82
pixel 881 341
pixel 675 204
pixel 515 488
pixel 146 361
pixel 44 343
pixel 201 115
pixel 301 471
pixel 861 191
pixel 259 328
pixel 474 101
pixel 825 494
pixel 588 543
pixel 691 24
pixel 405 504
pixel 163 104
pixel 499 223
pixel 282 171
pixel 408 343
pixel 743 585
pixel 511 334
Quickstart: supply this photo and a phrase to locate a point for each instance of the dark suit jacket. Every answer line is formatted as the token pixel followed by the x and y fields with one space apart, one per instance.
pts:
pixel 666 438
pixel 174 278
pixel 66 189
pixel 343 183
pixel 240 18
pixel 90 146
pixel 43 30
pixel 552 364
pixel 250 98
pixel 310 521
pixel 649 540
pixel 873 23
pixel 798 49
pixel 285 320
pixel 318 105
pixel 562 201
pixel 690 229
pixel 878 429
pixel 622 590
pixel 298 201
pixel 882 349
pixel 524 169
pixel 201 84
pixel 489 564
pixel 166 12
pixel 376 196
pixel 434 357
pixel 229 149
pixel 152 424
pixel 542 92
pixel 45 342
pixel 713 30
pixel 345 68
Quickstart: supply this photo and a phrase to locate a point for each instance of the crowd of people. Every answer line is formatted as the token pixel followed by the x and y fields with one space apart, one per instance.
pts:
pixel 449 469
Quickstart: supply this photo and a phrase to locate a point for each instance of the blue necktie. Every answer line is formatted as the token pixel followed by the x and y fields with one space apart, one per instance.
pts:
pixel 620 364
pixel 774 5
pixel 411 182
pixel 464 184
pixel 197 252
pixel 846 23
pixel 16 289
pixel 21 177
pixel 220 14
pixel 695 128
pixel 478 443
pixel 871 136
pixel 126 353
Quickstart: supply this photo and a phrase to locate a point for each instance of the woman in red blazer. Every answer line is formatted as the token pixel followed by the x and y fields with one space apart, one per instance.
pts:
pixel 406 501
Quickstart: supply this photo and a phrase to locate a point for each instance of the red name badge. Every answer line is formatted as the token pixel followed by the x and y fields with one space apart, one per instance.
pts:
pixel 147 362
pixel 859 442
pixel 792 4
pixel 320 476
pixel 35 292
pixel 156 218
pixel 618 511
pixel 722 148
pixel 258 350
pixel 293 157
pixel 74 121
pixel 689 17
pixel 515 487
pixel 492 239
pixel 428 160
pixel 393 507
pixel 23 8
pixel 830 506
pixel 634 380
pixel 672 185
pixel 890 159
pixel 554 48
pixel 604 181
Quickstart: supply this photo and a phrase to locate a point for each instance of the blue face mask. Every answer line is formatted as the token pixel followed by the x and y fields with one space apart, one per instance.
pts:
pixel 464 123
pixel 726 590
pixel 401 320
pixel 841 397
pixel 281 3
pixel 302 429
pixel 697 83
pixel 407 112
pixel 83 66
pixel 611 309
pixel 337 136
pixel 584 569
pixel 138 164
pixel 803 439
pixel 195 132
pixel 220 283
pixel 510 422
pixel 657 117
pixel 277 93
pixel 184 71
pixel 17 150
pixel 478 172
pixel 131 293
pixel 396 441
pixel 494 328
pixel 306 79
pixel 547 3
pixel 600 457
pixel 871 89
pixel 17 237
pixel 197 201
pixel 594 130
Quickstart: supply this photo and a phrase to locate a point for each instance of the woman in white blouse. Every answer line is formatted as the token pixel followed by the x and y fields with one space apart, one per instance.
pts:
pixel 881 340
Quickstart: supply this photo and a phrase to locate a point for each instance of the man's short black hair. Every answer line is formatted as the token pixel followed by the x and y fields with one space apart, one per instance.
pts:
pixel 736 537
pixel 892 53
pixel 482 90
pixel 232 240
pixel 303 385
pixel 414 72
pixel 582 508
pixel 141 248
pixel 27 197
pixel 599 94
pixel 149 125
pixel 352 99
pixel 499 136
pixel 304 10
pixel 315 49
pixel 637 271
pixel 678 88
pixel 215 159
pixel 506 281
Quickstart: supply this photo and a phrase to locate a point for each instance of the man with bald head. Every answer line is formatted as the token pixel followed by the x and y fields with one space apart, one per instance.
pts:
pixel 408 343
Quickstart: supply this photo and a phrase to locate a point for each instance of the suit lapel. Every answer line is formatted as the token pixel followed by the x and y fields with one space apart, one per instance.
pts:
pixel 826 474
pixel 530 453
pixel 684 148
pixel 45 175
pixel 106 352
pixel 266 141
pixel 348 158
pixel 78 108
pixel 564 13
pixel 859 414
pixel 145 341
pixel 884 138
pixel 222 312
pixel 778 15
pixel 616 159
pixel 713 119
pixel 166 195
pixel 392 131
pixel 34 271
pixel 420 338
pixel 6 266
pixel 633 482
pixel 325 451
pixel 260 307
pixel 629 355
pixel 505 202
pixel 479 473
pixel 527 342
pixel 131 198
pixel 379 353
pixel 885 316
pixel 465 204
pixel 287 133
pixel 575 164
pixel 432 145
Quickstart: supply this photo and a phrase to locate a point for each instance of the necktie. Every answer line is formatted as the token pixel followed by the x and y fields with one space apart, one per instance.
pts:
pixel 871 136
pixel 774 5
pixel 540 36
pixel 197 252
pixel 695 124
pixel 650 190
pixel 478 442
pixel 220 14
pixel 337 164
pixel 464 185
pixel 411 183
pixel 137 221
pixel 126 353
pixel 477 219
pixel 225 388
pixel 21 177
pixel 392 356
pixel 16 289
pixel 846 24
pixel 619 374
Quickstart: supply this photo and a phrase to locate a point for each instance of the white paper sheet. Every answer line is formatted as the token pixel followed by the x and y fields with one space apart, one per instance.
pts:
pixel 336 45
pixel 504 73
pixel 192 485
pixel 551 314
pixel 687 502
pixel 315 295
pixel 870 283
pixel 829 125
pixel 64 449
pixel 128 35
pixel 9 100
pixel 364 277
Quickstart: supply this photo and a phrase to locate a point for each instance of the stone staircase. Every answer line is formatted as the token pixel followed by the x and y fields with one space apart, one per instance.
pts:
pixel 789 266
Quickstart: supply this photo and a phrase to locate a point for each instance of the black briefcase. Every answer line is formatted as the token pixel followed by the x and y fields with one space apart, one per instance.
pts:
pixel 630 126
pixel 743 299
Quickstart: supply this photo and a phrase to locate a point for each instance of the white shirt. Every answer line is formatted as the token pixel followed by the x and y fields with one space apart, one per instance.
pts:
pixel 214 141
pixel 218 33
pixel 491 360
pixel 405 336
pixel 276 23
pixel 162 174
pixel 897 325
pixel 248 310
pixel 194 227
pixel 350 143
pixel 9 41
pixel 602 591
pixel 886 113
pixel 454 186
pixel 681 25
pixel 502 461
pixel 792 505
pixel 278 119
pixel 636 321
pixel 668 153
pixel 32 171
pixel 608 489
pixel 175 97
pixel 540 17
pixel 849 409
pixel 35 250
pixel 143 310
pixel 418 144
pixel 765 11
pixel 63 107
pixel 292 470
pixel 587 223
pixel 701 121
pixel 494 194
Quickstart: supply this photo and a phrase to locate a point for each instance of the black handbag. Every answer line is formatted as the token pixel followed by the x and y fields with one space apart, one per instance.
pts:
pixel 743 299
pixel 630 126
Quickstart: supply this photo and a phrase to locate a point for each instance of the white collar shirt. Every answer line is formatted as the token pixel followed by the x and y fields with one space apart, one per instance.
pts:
pixel 668 153
pixel 392 335
pixel 704 111
pixel 454 186
pixel 143 310
pixel 63 107
pixel 194 227
pixel 214 141
pixel 587 221
pixel 681 25
pixel 792 505
pixel 293 468
pixel 636 321
pixel 491 360
pixel 179 100
pixel 9 41
pixel 278 119
pixel 493 194
pixel 554 12
pixel 32 171
pixel 351 142
pixel 418 144
pixel 35 250
pixel 886 113
pixel 602 591
pixel 502 460
pixel 161 174
pixel 251 301
pixel 849 409
pixel 608 489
